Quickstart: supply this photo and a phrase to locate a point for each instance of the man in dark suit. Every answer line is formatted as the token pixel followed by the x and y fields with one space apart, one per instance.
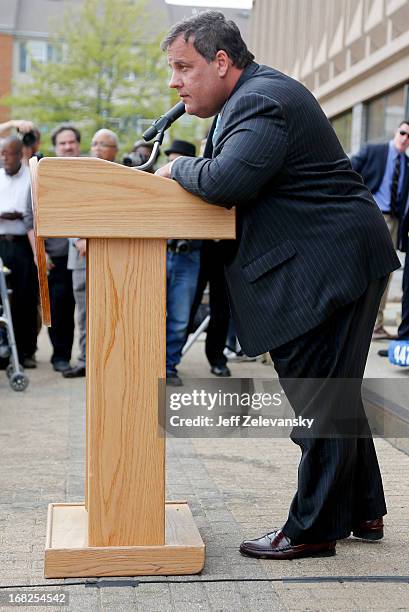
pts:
pixel 305 274
pixel 385 171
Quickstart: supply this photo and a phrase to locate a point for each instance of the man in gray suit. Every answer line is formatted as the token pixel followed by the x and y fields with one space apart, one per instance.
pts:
pixel 305 274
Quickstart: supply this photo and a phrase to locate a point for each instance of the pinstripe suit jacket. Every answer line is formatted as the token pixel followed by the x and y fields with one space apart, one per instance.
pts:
pixel 309 235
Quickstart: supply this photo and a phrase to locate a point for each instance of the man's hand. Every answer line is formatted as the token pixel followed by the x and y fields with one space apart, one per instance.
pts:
pixel 11 216
pixel 49 262
pixel 23 126
pixel 81 246
pixel 165 170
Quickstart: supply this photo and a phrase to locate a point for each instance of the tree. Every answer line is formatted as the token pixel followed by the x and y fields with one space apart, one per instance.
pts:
pixel 108 71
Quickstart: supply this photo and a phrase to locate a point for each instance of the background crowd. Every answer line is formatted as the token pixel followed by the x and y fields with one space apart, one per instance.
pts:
pixel 192 265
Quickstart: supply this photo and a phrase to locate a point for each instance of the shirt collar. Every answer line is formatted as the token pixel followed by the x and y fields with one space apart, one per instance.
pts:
pixel 248 71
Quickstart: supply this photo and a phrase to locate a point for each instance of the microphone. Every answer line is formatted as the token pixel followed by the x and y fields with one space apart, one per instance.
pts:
pixel 164 122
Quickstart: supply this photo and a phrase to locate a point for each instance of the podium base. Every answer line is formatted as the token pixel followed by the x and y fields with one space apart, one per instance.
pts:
pixel 67 553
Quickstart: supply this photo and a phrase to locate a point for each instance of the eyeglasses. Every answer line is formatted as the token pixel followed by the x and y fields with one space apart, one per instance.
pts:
pixel 403 133
pixel 104 145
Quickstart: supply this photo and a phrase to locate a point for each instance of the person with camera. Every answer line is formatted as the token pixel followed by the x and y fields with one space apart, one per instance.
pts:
pixel 139 155
pixel 31 145
pixel 182 271
pixel 28 133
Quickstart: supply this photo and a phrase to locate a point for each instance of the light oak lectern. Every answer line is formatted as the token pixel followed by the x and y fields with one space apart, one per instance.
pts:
pixel 124 528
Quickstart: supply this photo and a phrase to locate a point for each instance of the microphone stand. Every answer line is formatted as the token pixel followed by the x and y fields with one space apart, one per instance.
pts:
pixel 156 146
pixel 158 129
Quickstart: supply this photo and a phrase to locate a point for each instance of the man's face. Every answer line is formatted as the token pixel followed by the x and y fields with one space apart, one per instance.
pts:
pixel 66 144
pixel 103 146
pixel 401 139
pixel 200 84
pixel 11 157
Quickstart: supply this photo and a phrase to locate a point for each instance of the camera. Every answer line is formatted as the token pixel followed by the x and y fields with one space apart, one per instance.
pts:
pixel 133 159
pixel 29 138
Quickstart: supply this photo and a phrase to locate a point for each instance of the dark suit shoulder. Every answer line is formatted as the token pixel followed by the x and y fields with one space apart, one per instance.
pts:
pixel 375 148
pixel 267 81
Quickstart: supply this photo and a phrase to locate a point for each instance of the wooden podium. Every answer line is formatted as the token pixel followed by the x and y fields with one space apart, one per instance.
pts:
pixel 125 527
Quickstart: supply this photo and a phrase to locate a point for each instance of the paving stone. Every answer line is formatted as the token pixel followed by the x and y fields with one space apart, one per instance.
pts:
pixel 236 488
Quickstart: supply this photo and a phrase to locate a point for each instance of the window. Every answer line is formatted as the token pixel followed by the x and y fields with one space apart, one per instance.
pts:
pixel 384 115
pixel 343 128
pixel 38 50
pixel 22 54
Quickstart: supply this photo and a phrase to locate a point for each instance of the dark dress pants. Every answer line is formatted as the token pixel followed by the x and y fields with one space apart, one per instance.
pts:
pixel 339 482
pixel 212 272
pixel 62 305
pixel 403 331
pixel 17 255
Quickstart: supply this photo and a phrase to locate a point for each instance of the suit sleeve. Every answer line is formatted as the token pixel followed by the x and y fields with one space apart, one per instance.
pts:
pixel 358 160
pixel 250 150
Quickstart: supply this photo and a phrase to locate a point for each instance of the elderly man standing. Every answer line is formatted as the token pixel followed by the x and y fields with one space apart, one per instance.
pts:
pixel 15 248
pixel 104 145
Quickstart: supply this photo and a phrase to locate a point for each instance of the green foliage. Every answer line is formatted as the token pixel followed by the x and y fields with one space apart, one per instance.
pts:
pixel 111 72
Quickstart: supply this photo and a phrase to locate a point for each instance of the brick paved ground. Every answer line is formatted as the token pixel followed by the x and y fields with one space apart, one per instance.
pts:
pixel 236 489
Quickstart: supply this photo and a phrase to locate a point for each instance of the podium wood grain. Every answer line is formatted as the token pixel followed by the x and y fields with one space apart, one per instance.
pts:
pixel 80 192
pixel 126 455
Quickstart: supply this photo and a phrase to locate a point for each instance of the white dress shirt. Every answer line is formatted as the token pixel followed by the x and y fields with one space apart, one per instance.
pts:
pixel 13 197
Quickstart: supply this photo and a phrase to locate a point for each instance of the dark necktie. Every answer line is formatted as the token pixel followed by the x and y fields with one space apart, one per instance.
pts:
pixel 394 187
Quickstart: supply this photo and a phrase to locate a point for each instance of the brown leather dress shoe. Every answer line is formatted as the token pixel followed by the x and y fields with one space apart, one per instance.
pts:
pixel 369 530
pixel 276 545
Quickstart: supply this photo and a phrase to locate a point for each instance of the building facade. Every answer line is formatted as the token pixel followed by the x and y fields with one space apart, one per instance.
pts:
pixel 352 54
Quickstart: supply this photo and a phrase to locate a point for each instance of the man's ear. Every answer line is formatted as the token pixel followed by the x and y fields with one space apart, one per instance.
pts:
pixel 223 62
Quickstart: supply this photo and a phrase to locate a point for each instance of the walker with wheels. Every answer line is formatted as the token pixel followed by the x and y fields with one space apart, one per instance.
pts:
pixel 17 378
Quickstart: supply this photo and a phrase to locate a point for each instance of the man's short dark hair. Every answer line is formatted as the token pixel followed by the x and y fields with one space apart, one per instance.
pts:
pixel 211 32
pixel 404 121
pixel 61 128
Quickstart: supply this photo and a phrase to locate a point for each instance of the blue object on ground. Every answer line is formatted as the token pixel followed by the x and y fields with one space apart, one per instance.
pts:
pixel 398 352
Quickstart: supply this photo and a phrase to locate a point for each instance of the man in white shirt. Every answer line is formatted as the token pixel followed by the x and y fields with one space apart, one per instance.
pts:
pixel 15 248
